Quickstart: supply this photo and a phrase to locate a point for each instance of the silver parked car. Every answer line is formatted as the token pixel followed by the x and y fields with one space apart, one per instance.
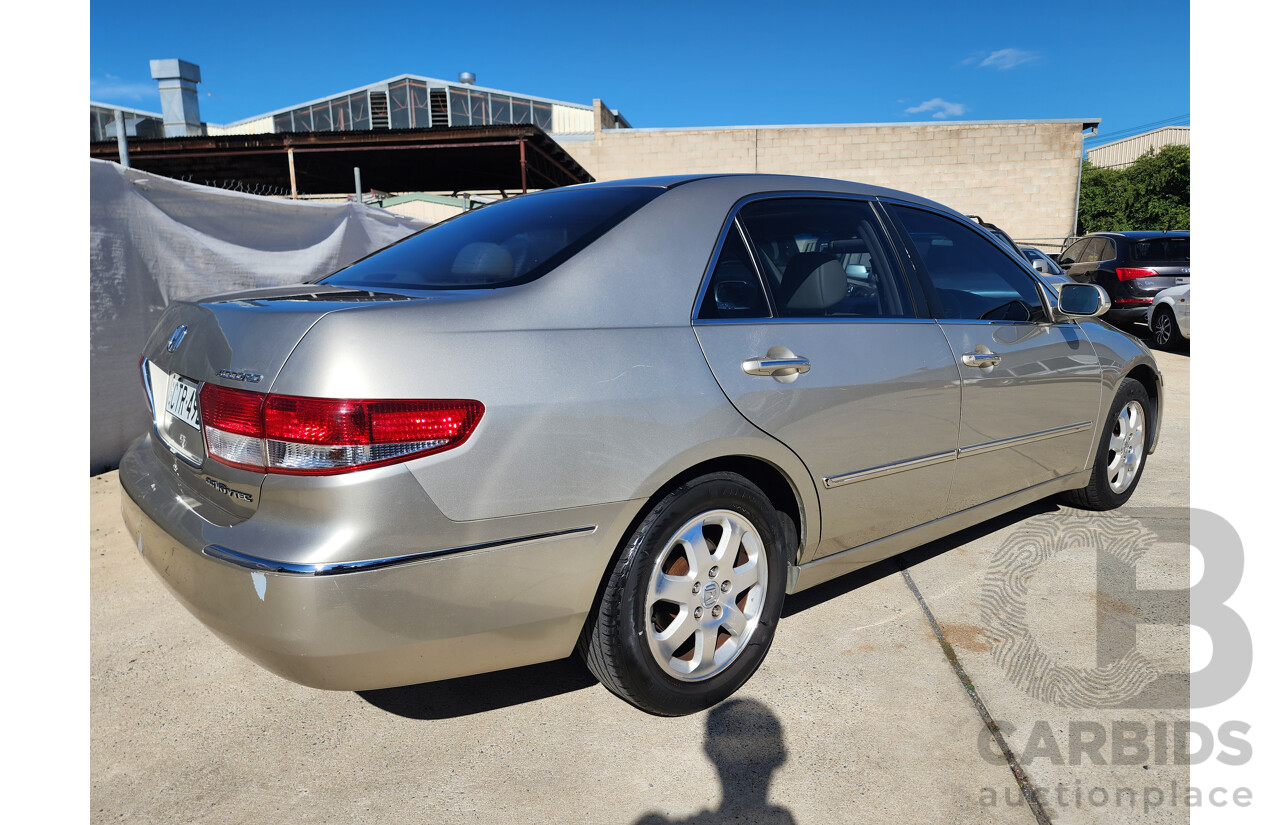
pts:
pixel 628 417
pixel 1169 317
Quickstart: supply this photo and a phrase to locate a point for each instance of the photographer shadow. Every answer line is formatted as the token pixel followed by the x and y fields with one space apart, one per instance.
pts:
pixel 744 742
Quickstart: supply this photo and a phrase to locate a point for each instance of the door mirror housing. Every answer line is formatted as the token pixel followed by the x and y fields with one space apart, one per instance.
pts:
pixel 1083 300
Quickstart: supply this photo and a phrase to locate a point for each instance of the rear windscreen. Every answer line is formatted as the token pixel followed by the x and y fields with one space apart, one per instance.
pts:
pixel 1161 251
pixel 506 243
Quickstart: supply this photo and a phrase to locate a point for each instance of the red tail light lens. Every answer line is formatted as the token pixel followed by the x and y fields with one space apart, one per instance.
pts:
pixel 232 422
pixel 232 411
pixel 1128 273
pixel 322 436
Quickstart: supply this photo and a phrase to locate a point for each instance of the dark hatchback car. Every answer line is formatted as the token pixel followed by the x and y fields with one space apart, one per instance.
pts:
pixel 1131 266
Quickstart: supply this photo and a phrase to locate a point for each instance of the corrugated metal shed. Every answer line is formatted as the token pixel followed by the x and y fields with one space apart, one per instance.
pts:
pixel 1122 153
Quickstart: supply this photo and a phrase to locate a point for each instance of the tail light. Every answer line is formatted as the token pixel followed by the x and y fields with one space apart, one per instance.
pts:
pixel 324 436
pixel 1128 273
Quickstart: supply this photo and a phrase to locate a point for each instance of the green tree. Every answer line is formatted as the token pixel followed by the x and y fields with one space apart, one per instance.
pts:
pixel 1154 193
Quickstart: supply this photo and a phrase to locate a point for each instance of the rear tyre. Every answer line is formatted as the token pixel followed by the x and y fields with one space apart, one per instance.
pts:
pixel 690 606
pixel 1164 328
pixel 1122 451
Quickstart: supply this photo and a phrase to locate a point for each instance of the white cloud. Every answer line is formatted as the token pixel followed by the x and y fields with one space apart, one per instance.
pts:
pixel 1005 59
pixel 940 108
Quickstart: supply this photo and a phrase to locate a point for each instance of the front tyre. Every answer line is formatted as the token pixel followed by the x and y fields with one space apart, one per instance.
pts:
pixel 690 607
pixel 1122 452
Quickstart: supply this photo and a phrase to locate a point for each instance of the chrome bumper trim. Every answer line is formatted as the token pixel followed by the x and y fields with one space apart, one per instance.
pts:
pixel 1019 440
pixel 254 563
pixel 889 469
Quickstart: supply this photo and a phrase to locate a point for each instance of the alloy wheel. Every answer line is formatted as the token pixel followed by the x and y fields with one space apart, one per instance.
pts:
pixel 1128 444
pixel 706 595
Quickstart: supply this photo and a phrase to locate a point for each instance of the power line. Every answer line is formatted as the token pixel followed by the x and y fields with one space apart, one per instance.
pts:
pixel 1130 131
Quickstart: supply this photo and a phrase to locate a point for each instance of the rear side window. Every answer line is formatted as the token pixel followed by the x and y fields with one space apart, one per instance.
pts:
pixel 734 290
pixel 970 277
pixel 504 244
pixel 825 258
pixel 1161 251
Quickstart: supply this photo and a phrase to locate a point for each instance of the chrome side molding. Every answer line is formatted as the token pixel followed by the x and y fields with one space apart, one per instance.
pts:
pixel 938 458
pixel 1019 440
pixel 889 469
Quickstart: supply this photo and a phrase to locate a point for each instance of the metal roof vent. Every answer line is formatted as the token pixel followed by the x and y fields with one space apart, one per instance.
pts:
pixel 467 77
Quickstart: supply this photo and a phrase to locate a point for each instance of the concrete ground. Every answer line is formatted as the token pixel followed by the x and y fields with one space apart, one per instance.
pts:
pixel 860 713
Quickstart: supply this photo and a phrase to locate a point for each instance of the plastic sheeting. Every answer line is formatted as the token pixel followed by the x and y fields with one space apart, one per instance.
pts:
pixel 153 240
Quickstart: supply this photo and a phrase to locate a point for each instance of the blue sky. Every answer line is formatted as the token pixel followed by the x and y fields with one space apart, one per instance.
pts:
pixel 674 64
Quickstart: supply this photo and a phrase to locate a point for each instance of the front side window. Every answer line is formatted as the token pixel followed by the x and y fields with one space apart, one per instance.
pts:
pixel 1073 252
pixel 825 258
pixel 504 244
pixel 970 277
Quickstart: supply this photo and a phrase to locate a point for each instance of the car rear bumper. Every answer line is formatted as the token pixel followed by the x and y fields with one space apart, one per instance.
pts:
pixel 1128 313
pixel 381 622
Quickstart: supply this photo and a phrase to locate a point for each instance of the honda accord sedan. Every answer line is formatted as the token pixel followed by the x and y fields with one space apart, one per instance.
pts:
pixel 628 418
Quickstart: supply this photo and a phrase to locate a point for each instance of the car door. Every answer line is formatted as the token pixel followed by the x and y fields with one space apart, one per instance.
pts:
pixel 1087 268
pixel 1031 388
pixel 812 331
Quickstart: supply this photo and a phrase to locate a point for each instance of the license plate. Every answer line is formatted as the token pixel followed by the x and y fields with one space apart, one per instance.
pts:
pixel 1181 281
pixel 183 403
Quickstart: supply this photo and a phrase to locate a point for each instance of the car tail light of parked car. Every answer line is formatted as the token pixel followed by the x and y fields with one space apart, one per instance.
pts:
pixel 320 436
pixel 1128 273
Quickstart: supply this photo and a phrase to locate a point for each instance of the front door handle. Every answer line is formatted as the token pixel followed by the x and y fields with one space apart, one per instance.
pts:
pixel 780 363
pixel 980 359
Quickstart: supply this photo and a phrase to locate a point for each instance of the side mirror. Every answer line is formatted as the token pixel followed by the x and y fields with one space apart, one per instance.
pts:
pixel 1083 300
pixel 1038 265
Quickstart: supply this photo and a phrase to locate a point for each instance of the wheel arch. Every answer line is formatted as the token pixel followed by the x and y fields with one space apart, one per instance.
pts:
pixel 783 492
pixel 1150 380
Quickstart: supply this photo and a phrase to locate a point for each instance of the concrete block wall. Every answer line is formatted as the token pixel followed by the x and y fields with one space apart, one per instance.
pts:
pixel 1022 176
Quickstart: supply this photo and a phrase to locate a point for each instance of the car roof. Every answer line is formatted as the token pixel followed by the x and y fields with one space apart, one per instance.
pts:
pixel 1141 236
pixel 744 184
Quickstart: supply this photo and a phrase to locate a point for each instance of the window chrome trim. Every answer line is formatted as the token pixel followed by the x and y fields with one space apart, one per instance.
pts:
pixel 1019 440
pixel 889 469
pixel 731 226
pixel 254 563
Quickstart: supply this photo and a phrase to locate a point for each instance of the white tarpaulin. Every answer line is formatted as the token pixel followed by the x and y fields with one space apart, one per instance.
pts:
pixel 153 240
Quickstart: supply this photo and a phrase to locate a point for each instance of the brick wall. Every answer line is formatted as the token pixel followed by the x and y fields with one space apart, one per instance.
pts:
pixel 1022 175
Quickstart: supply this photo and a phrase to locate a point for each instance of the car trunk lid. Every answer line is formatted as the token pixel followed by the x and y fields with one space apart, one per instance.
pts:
pixel 241 341
pixel 1157 263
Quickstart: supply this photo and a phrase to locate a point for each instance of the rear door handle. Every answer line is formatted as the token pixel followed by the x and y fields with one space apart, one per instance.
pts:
pixel 980 359
pixel 780 363
pixel 775 366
